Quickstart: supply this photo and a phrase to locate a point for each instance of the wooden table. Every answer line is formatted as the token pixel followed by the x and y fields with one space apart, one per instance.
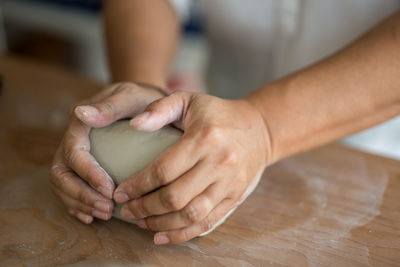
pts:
pixel 331 206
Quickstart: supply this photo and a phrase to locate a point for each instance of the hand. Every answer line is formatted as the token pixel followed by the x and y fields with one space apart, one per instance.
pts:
pixel 76 178
pixel 214 166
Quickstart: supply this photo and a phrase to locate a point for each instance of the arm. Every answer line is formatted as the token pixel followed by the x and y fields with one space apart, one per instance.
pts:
pixel 227 144
pixel 352 90
pixel 141 38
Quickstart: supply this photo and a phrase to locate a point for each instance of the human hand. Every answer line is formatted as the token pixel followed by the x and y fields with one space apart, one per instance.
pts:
pixel 214 166
pixel 76 178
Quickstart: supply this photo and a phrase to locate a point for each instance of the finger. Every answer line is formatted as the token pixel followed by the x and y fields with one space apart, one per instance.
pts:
pixel 77 157
pixel 213 219
pixel 83 217
pixel 72 203
pixel 194 212
pixel 76 205
pixel 172 197
pixel 162 112
pixel 172 163
pixel 67 182
pixel 121 103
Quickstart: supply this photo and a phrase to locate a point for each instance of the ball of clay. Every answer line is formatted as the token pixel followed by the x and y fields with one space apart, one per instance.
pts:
pixel 123 152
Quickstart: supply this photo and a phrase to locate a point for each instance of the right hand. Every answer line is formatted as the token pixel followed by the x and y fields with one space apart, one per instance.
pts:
pixel 76 178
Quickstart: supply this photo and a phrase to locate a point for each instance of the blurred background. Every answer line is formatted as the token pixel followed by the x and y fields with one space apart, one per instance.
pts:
pixel 69 34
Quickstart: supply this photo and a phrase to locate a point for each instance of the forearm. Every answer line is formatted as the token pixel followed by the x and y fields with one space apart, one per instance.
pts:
pixel 141 40
pixel 354 89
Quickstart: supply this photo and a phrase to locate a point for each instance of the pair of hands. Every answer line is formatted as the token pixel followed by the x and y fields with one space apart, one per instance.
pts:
pixel 214 166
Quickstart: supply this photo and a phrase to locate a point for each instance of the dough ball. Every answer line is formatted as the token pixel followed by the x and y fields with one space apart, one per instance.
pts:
pixel 123 152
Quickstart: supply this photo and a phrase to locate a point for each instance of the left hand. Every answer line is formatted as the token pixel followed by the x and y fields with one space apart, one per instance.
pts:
pixel 214 166
pixel 76 178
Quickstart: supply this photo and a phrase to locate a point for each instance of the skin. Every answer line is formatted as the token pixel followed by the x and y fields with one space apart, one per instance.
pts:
pixel 226 144
pixel 142 50
pixel 75 176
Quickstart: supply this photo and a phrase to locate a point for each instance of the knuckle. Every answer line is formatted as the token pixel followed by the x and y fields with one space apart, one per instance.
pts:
pixel 211 133
pixel 184 236
pixel 170 200
pixel 125 88
pixel 160 172
pixel 107 108
pixel 73 157
pixel 138 207
pixel 175 98
pixel 74 140
pixel 70 154
pixel 130 188
pixel 229 157
pixel 84 208
pixel 55 173
pixel 83 197
pixel 152 224
pixel 191 214
pixel 206 224
pixel 58 176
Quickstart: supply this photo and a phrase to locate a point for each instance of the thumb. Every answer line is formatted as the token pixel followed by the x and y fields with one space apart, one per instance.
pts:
pixel 109 109
pixel 92 116
pixel 162 112
pixel 99 114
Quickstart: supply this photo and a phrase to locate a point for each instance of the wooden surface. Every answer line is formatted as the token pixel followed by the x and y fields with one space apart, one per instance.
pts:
pixel 331 206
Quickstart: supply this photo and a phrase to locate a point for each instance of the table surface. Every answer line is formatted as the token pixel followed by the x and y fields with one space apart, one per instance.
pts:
pixel 330 206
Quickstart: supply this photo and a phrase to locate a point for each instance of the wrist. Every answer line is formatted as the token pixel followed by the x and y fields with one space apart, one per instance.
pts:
pixel 262 125
pixel 286 112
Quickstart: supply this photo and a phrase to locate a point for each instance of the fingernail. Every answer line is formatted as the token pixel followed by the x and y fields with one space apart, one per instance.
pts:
pixel 105 191
pixel 101 215
pixel 102 206
pixel 85 112
pixel 141 223
pixel 121 197
pixel 84 217
pixel 161 239
pixel 126 213
pixel 139 119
